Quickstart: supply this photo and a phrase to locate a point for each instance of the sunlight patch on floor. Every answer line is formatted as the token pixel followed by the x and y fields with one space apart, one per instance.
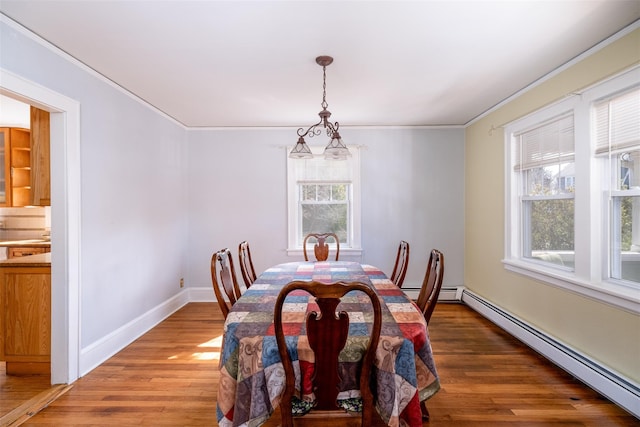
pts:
pixel 214 342
pixel 209 355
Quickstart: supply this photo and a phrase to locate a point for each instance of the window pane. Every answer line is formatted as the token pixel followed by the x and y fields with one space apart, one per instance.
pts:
pixel 339 192
pixel 324 193
pixel 308 192
pixel 550 180
pixel 325 218
pixel 625 238
pixel 627 164
pixel 550 235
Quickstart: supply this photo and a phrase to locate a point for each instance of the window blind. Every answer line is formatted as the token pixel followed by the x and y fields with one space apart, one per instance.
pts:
pixel 617 122
pixel 319 169
pixel 549 143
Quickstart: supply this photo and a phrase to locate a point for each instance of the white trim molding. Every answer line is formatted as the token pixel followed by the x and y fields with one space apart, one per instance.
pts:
pixel 100 351
pixel 447 294
pixel 622 391
pixel 619 296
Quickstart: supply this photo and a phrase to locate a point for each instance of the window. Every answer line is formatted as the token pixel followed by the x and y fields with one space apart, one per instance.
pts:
pixel 573 192
pixel 324 196
pixel 544 165
pixel 617 130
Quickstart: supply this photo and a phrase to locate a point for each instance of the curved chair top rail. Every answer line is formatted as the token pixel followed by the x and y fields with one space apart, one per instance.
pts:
pixel 321 249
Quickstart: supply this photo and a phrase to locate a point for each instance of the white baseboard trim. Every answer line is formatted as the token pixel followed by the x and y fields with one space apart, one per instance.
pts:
pixel 622 391
pixel 449 294
pixel 98 352
pixel 202 294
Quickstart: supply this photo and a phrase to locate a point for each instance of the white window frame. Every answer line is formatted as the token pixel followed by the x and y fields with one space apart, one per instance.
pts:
pixel 590 274
pixel 352 248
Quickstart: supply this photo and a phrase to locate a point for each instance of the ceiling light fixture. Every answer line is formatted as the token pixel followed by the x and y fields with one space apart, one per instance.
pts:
pixel 335 150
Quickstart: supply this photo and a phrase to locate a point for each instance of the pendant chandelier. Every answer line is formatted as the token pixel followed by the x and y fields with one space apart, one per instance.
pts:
pixel 335 150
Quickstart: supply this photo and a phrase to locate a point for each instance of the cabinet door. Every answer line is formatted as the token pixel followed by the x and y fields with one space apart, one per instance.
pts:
pixel 26 315
pixel 40 155
pixel 5 167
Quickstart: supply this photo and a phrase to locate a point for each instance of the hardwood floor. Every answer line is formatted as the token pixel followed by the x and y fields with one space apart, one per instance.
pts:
pixel 169 377
pixel 15 390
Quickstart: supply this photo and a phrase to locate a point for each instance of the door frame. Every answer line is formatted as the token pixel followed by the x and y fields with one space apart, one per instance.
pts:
pixel 65 220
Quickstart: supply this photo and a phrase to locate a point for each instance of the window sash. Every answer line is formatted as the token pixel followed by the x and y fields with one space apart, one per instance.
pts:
pixel 344 235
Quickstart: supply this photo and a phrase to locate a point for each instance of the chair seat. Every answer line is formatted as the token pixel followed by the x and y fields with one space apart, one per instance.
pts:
pixel 300 407
pixel 351 404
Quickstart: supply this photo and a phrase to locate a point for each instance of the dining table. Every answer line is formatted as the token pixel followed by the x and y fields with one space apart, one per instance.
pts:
pixel 250 366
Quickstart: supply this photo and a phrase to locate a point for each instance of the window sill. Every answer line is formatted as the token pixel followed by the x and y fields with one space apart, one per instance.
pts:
pixel 614 294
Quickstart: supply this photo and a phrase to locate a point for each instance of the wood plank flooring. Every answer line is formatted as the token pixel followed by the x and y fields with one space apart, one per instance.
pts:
pixel 15 390
pixel 169 377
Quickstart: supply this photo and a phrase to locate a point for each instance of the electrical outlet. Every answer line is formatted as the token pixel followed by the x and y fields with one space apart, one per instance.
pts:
pixel 181 282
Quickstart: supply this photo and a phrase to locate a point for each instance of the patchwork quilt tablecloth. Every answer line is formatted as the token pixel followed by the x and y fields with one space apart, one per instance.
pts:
pixel 251 373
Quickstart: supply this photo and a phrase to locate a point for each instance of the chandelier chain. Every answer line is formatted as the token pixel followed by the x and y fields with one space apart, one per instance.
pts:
pixel 324 104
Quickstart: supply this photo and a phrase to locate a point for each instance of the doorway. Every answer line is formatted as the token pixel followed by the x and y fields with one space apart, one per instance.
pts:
pixel 65 220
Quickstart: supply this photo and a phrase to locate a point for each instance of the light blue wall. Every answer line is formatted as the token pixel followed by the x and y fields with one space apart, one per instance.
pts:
pixel 133 228
pixel 412 189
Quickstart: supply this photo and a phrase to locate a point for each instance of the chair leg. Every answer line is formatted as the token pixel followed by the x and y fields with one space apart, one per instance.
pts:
pixel 425 411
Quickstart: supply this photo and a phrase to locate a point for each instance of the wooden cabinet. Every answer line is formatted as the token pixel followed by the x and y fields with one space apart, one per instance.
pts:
pixel 25 171
pixel 20 168
pixel 5 166
pixel 25 318
pixel 15 167
pixel 40 158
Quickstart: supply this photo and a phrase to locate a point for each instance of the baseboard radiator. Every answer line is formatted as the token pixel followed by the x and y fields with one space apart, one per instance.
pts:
pixel 620 390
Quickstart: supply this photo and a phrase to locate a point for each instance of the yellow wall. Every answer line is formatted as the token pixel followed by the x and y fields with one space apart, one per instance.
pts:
pixel 607 334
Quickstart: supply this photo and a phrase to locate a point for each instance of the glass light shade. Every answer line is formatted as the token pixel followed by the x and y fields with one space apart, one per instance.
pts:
pixel 336 150
pixel 301 150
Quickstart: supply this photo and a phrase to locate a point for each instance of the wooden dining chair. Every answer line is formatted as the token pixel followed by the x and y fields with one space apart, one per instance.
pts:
pixel 402 262
pixel 246 264
pixel 431 284
pixel 321 248
pixel 223 276
pixel 428 297
pixel 327 335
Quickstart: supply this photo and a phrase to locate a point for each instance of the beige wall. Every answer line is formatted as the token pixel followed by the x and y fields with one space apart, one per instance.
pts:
pixel 607 334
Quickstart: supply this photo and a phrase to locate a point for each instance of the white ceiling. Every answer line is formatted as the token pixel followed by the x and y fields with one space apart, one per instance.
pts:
pixel 252 63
